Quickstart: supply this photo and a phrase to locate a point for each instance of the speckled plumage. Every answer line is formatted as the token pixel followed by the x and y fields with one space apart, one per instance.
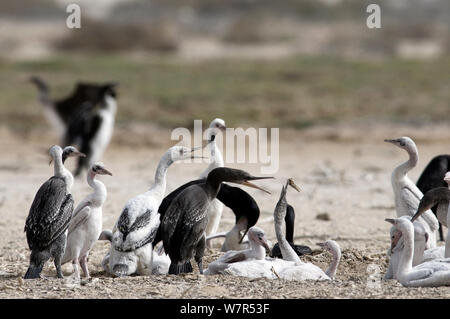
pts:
pixel 46 224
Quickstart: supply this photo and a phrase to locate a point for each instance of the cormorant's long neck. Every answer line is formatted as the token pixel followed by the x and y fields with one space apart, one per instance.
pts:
pixel 289 220
pixel 331 271
pixel 216 159
pixel 286 249
pixel 406 259
pixel 212 185
pixel 99 188
pixel 401 170
pixel 61 171
pixel 58 166
pixel 159 186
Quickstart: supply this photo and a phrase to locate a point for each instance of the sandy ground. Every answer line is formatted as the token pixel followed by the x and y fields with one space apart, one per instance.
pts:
pixel 346 176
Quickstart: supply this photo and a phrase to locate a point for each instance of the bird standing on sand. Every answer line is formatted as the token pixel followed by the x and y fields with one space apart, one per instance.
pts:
pixel 86 224
pixel 50 215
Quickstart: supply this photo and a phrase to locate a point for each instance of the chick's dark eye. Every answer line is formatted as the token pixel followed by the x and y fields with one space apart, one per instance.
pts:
pixel 402 143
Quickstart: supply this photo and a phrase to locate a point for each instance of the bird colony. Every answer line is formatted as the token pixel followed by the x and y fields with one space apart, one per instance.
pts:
pixel 157 233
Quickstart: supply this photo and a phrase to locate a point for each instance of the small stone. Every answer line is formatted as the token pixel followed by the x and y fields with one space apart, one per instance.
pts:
pixel 323 216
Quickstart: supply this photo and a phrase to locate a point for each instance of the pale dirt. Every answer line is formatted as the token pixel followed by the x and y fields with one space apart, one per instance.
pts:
pixel 343 171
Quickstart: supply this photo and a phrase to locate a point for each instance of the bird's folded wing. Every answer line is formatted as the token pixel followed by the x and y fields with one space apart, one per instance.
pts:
pixel 80 207
pixel 49 215
pixel 235 258
pixel 80 218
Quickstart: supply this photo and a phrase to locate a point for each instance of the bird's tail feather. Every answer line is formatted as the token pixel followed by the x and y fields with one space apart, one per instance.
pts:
pixel 176 269
pixel 33 272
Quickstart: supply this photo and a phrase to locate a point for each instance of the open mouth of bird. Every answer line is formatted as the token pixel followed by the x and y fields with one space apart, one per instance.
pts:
pixel 249 184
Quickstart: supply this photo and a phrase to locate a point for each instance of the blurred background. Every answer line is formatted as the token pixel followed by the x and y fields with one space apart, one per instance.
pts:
pixel 301 65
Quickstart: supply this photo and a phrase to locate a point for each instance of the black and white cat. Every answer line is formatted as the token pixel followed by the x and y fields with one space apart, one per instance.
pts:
pixel 85 118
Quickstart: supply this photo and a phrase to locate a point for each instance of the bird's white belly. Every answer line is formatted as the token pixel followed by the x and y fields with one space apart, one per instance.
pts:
pixel 82 238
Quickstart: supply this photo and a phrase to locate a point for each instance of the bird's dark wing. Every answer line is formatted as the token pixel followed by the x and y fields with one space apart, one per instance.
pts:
pixel 92 126
pixel 235 258
pixel 185 211
pixel 49 215
pixel 169 198
pixel 84 124
pixel 125 227
pixel 433 174
pixel 78 123
pixel 193 228
pixel 166 203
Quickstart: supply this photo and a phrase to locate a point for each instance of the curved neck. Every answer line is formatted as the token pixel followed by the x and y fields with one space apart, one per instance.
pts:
pixel 98 186
pixel 160 176
pixel 331 271
pixel 406 259
pixel 216 159
pixel 401 170
pixel 289 220
pixel 286 249
pixel 61 171
pixel 58 166
pixel 212 184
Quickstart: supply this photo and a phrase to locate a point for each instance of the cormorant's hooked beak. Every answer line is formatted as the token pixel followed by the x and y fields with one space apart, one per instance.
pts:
pixel 247 183
pixel 293 185
pixel 104 171
pixel 321 245
pixel 77 153
pixel 390 220
pixel 390 141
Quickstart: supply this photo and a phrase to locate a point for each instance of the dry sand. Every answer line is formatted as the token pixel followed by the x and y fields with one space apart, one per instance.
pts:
pixel 344 175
